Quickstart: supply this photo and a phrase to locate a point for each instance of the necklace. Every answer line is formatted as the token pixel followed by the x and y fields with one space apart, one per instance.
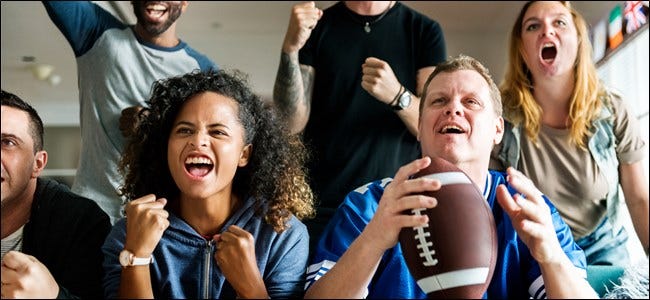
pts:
pixel 366 24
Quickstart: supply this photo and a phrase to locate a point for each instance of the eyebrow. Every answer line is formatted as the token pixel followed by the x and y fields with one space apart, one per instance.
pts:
pixel 561 14
pixel 186 123
pixel 9 135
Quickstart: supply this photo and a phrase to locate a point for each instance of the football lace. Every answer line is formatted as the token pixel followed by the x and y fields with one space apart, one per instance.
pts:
pixel 424 246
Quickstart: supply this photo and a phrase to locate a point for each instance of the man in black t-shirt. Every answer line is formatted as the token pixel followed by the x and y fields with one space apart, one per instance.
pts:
pixel 349 79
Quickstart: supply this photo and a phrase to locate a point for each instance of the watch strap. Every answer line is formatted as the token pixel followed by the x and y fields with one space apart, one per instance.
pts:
pixel 395 101
pixel 140 261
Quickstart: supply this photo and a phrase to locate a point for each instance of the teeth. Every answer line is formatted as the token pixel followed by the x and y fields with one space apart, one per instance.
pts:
pixel 157 7
pixel 548 45
pixel 198 160
pixel 451 127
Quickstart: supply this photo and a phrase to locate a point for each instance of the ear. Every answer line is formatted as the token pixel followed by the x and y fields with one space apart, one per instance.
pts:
pixel 245 155
pixel 40 160
pixel 184 6
pixel 499 130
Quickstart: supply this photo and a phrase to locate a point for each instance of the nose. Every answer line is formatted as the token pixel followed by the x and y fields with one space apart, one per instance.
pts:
pixel 199 140
pixel 548 30
pixel 454 108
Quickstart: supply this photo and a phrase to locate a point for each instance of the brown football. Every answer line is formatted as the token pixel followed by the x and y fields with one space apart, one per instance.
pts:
pixel 455 254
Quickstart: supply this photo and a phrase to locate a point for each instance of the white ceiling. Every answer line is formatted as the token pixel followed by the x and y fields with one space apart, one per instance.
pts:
pixel 243 35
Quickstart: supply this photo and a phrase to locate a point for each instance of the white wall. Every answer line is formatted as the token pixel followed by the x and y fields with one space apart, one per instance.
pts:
pixel 627 71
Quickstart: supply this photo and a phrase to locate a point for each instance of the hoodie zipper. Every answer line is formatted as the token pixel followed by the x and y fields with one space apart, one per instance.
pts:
pixel 206 270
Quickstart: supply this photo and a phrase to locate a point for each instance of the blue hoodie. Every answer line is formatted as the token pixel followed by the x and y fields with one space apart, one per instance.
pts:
pixel 184 264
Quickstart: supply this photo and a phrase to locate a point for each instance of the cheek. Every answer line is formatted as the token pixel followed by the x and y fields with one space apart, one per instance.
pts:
pixel 173 153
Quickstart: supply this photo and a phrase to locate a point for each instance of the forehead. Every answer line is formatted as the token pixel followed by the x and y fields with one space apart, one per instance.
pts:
pixel 460 81
pixel 540 8
pixel 15 121
pixel 210 106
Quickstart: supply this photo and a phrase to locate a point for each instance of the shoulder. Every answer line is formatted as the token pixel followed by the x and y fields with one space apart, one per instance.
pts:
pixel 413 14
pixel 613 102
pixel 52 197
pixel 371 190
pixel 296 227
pixel 203 60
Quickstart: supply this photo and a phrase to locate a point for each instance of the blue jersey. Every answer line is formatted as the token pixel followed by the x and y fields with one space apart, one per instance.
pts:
pixel 516 275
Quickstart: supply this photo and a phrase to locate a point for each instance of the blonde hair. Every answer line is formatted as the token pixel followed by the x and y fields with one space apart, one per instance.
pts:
pixel 520 107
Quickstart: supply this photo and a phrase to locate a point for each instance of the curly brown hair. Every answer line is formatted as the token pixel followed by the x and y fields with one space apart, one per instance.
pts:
pixel 275 175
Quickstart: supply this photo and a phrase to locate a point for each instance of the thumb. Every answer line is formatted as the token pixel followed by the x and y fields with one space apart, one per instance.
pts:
pixel 16 260
pixel 163 201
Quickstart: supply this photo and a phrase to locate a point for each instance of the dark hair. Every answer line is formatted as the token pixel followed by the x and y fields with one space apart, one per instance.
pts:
pixel 35 122
pixel 275 175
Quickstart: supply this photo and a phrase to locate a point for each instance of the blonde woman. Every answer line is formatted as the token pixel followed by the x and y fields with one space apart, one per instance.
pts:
pixel 568 133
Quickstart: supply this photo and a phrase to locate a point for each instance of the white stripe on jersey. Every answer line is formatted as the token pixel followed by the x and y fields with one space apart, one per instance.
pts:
pixel 317 270
pixel 537 289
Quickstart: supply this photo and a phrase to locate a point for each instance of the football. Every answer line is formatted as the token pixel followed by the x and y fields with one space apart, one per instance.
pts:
pixel 454 255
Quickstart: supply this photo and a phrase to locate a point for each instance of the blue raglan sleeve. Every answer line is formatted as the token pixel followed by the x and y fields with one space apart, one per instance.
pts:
pixel 204 62
pixel 81 22
pixel 346 225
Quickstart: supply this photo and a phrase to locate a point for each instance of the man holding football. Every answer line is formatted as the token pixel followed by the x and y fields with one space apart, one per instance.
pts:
pixel 358 255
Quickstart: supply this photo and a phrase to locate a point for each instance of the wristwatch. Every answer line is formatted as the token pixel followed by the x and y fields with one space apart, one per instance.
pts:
pixel 128 259
pixel 404 101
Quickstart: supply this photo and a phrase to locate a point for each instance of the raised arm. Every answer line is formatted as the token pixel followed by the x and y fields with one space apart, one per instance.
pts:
pixel 293 83
pixel 380 81
pixel 81 22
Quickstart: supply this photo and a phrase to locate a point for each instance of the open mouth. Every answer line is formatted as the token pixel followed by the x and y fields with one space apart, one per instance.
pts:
pixel 549 52
pixel 198 166
pixel 451 129
pixel 155 10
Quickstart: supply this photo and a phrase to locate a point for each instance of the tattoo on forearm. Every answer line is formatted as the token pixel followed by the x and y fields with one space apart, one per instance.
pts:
pixel 287 89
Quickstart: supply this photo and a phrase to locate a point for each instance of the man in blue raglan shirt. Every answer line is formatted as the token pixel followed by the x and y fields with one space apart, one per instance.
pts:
pixel 117 64
pixel 460 120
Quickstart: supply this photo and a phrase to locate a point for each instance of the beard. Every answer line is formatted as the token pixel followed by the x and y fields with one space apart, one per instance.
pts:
pixel 154 29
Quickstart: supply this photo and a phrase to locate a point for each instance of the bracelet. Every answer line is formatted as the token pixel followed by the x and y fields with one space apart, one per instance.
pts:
pixel 399 93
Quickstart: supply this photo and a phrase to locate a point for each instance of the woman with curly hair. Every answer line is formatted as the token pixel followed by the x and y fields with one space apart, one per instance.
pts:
pixel 217 188
pixel 570 134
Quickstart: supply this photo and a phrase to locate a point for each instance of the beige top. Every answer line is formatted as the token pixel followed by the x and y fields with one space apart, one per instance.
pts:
pixel 569 176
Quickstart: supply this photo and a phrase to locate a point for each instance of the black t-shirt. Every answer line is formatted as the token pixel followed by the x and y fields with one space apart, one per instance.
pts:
pixel 355 138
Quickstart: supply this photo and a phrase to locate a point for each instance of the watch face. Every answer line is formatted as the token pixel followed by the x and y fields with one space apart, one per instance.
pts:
pixel 125 258
pixel 405 100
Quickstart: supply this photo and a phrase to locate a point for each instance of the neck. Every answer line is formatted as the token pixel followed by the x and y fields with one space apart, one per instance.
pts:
pixel 166 39
pixel 16 211
pixel 369 8
pixel 207 216
pixel 476 173
pixel 554 97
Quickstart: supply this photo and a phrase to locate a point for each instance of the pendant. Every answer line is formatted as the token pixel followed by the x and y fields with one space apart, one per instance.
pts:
pixel 367 27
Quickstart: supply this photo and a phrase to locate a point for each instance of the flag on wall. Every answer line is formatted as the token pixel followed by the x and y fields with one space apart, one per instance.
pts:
pixel 615 30
pixel 634 16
